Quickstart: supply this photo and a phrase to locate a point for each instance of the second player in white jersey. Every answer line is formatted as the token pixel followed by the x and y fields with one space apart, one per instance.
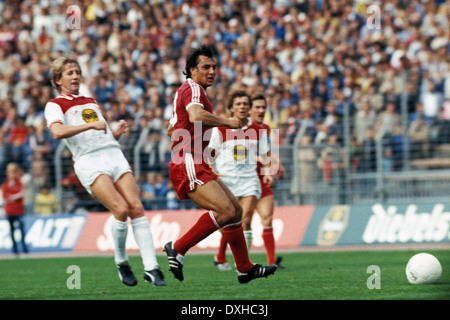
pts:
pixel 238 149
pixel 236 162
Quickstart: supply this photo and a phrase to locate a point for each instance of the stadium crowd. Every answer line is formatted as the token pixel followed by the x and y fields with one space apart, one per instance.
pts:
pixel 315 60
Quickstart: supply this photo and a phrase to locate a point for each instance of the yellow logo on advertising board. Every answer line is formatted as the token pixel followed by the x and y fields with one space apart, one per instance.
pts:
pixel 333 225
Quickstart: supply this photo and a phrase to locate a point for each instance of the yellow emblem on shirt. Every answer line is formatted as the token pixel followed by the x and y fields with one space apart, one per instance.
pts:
pixel 89 115
pixel 240 152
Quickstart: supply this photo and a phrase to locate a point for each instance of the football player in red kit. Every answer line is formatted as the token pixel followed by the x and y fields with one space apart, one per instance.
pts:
pixel 265 204
pixel 192 176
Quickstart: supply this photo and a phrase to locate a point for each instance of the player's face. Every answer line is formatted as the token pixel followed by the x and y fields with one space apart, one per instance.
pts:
pixel 13 174
pixel 205 71
pixel 70 79
pixel 240 107
pixel 258 110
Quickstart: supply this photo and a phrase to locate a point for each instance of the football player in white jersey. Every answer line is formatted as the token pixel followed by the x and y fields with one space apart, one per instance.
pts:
pixel 101 166
pixel 236 163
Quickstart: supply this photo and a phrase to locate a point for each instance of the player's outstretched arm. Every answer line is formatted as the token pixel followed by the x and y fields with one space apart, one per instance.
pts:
pixel 61 131
pixel 197 113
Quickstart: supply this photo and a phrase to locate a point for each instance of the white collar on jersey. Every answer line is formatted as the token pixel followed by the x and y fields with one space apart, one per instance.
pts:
pixel 190 80
pixel 69 96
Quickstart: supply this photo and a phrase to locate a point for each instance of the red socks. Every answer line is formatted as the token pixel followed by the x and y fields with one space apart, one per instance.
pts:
pixel 204 226
pixel 269 243
pixel 221 256
pixel 234 235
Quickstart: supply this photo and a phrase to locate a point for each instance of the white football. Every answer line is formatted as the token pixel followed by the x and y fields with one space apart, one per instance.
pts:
pixel 423 268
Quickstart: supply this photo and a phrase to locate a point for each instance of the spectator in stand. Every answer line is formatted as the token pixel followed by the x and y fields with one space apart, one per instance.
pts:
pixel 148 191
pixel 398 147
pixel 40 140
pixel 33 117
pixel 307 159
pixel 431 101
pixel 332 161
pixel 129 139
pixel 364 118
pixel 13 199
pixel 440 133
pixel 134 90
pixel 16 141
pixel 40 170
pixel 368 157
pixel 418 112
pixel 103 91
pixel 419 136
pixel 45 202
pixel 172 202
pixel 387 120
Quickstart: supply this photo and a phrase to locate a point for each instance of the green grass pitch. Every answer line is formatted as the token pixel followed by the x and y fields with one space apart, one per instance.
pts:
pixel 335 275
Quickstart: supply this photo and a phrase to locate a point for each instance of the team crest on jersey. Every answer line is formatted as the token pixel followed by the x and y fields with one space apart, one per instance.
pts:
pixel 240 152
pixel 89 115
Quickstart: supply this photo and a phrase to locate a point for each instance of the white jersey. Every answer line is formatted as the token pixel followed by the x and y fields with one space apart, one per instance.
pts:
pixel 238 149
pixel 76 110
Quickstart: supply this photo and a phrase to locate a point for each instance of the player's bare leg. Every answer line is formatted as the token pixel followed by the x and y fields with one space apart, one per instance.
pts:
pixel 122 199
pixel 106 192
pixel 248 207
pixel 215 196
pixel 265 208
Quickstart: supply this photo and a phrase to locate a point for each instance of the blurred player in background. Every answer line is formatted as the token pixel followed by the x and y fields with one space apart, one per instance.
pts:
pixel 101 166
pixel 265 205
pixel 236 164
pixel 13 199
pixel 192 176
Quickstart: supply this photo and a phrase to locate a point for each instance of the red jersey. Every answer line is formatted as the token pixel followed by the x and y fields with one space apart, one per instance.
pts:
pixel 11 188
pixel 188 137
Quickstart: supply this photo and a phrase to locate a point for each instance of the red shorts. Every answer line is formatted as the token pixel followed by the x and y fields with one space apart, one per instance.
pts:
pixel 266 190
pixel 187 174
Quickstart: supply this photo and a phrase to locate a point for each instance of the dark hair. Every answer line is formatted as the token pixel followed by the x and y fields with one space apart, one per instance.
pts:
pixel 192 58
pixel 237 94
pixel 258 96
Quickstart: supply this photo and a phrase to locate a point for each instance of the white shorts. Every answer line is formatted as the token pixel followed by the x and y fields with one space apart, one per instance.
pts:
pixel 109 161
pixel 243 186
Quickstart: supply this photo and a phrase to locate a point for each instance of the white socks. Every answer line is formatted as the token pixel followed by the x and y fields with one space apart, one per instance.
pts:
pixel 144 240
pixel 119 231
pixel 248 235
pixel 143 237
